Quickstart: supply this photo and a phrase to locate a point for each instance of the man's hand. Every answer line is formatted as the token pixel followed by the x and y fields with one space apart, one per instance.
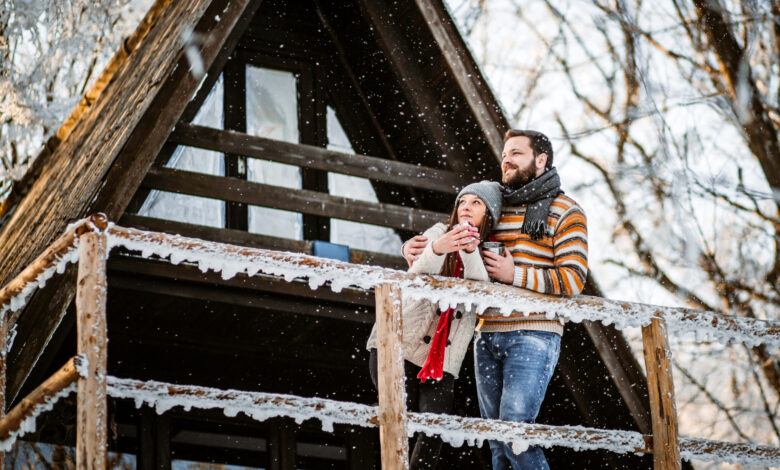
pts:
pixel 413 248
pixel 500 268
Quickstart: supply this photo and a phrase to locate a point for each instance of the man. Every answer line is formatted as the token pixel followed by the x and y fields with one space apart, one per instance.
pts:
pixel 545 234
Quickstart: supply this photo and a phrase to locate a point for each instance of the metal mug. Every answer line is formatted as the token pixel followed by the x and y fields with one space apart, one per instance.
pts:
pixel 495 247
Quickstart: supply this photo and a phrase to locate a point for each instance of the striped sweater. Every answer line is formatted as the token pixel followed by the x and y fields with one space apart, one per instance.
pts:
pixel 556 264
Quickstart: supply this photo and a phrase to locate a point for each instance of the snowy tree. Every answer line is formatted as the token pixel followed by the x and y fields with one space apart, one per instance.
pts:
pixel 50 53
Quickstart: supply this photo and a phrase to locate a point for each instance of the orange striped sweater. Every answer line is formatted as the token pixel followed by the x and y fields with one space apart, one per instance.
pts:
pixel 555 264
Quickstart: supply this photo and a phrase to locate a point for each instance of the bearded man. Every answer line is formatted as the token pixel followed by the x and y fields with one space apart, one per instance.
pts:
pixel 546 239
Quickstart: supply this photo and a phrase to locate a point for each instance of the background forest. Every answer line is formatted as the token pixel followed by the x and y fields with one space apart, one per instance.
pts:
pixel 664 117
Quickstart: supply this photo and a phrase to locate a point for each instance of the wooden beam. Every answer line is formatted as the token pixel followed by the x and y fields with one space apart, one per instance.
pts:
pixel 413 82
pixel 297 200
pixel 661 386
pixel 177 288
pixel 311 131
pixel 234 117
pixel 605 340
pixel 309 156
pixel 57 382
pixel 257 282
pixel 92 412
pixel 473 87
pixel 240 237
pixel 391 381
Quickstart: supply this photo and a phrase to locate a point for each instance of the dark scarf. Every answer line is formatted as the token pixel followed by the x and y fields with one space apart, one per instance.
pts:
pixel 538 194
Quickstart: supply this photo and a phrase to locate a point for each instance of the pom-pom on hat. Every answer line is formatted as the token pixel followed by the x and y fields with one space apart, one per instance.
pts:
pixel 489 192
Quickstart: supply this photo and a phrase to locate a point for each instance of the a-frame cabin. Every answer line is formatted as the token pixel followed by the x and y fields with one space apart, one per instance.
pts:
pixel 392 87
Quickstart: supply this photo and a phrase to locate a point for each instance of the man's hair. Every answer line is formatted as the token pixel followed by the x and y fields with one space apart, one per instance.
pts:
pixel 539 143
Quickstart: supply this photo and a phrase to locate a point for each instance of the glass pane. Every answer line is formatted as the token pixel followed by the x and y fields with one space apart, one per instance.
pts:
pixel 272 112
pixel 192 209
pixel 355 235
pixel 184 208
pixel 210 112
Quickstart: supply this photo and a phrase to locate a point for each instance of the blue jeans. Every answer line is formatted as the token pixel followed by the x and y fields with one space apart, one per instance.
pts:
pixel 512 370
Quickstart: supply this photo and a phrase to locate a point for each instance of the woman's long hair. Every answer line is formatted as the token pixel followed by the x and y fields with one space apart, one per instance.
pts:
pixel 484 231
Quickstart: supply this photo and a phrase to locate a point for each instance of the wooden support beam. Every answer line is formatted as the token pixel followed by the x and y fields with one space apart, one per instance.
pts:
pixel 297 200
pixel 605 340
pixel 259 282
pixel 66 375
pixel 240 237
pixel 402 57
pixel 392 383
pixel 234 112
pixel 309 156
pixel 661 386
pixel 92 410
pixel 483 104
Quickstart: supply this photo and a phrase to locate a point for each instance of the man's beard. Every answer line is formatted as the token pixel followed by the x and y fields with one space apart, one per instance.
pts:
pixel 521 177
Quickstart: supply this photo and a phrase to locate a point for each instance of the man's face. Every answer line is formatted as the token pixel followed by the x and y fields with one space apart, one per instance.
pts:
pixel 518 164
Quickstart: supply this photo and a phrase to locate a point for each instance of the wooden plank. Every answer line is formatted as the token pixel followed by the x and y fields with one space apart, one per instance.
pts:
pixel 605 340
pixel 391 380
pixel 257 282
pixel 234 112
pixel 663 410
pixel 297 200
pixel 281 452
pixel 240 237
pixel 177 288
pixel 92 412
pixel 473 87
pixel 311 129
pixel 53 385
pixel 374 168
pixel 413 82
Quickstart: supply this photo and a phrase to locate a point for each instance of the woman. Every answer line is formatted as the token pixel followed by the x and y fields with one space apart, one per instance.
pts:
pixel 435 342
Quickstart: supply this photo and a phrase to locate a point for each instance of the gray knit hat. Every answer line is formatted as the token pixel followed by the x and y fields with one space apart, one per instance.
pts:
pixel 489 192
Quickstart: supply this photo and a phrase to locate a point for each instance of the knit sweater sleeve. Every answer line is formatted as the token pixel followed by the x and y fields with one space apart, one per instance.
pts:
pixel 570 259
pixel 429 262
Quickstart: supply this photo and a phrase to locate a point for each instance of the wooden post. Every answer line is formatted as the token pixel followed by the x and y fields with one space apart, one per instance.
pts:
pixel 91 422
pixel 392 384
pixel 666 453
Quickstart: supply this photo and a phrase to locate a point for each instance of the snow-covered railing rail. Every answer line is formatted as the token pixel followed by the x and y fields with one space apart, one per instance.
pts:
pixel 455 430
pixel 89 241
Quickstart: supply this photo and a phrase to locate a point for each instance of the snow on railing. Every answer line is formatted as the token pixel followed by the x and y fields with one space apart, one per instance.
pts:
pixel 99 237
pixel 455 430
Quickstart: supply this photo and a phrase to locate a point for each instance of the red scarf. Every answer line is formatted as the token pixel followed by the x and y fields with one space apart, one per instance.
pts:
pixel 434 363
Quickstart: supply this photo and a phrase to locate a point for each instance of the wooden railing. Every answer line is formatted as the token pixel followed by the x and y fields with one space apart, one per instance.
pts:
pixel 89 242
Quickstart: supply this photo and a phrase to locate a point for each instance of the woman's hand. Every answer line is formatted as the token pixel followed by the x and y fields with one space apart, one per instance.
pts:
pixel 464 237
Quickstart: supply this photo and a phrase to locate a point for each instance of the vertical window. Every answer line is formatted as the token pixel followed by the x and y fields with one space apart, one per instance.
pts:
pixel 272 112
pixel 183 207
pixel 356 235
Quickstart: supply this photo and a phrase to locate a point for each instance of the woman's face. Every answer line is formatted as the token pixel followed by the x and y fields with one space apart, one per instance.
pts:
pixel 471 209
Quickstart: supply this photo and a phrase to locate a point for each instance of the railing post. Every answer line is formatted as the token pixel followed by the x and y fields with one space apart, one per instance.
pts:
pixel 91 421
pixel 666 452
pixel 392 384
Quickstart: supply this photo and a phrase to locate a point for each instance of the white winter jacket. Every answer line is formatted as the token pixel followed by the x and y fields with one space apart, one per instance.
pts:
pixel 420 317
